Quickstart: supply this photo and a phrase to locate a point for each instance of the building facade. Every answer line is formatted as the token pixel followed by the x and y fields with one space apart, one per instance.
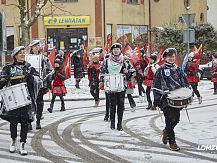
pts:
pixel 66 24
pixel 212 13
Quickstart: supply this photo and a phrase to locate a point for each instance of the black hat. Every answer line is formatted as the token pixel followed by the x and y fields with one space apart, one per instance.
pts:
pixel 59 56
pixel 169 52
pixel 142 51
pixel 116 45
pixel 153 56
pixel 58 61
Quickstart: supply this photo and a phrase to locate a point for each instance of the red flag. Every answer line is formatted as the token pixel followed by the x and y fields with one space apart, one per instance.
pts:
pixel 135 57
pixel 160 59
pixel 127 49
pixel 67 65
pixel 85 57
pixel 52 56
pixel 108 43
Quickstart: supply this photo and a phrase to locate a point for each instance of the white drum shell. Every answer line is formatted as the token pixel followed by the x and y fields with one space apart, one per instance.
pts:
pixel 114 83
pixel 15 96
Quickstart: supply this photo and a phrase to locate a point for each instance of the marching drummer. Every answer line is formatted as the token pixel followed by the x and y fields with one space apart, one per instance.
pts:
pixel 149 74
pixel 191 71
pixel 116 65
pixel 45 69
pixel 168 77
pixel 21 72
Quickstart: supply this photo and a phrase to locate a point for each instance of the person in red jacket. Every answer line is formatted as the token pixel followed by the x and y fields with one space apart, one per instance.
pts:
pixel 191 71
pixel 58 86
pixel 214 73
pixel 149 74
pixel 93 77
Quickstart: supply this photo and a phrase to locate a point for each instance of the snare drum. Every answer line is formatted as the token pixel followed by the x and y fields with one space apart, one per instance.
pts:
pixel 114 83
pixel 35 61
pixel 180 98
pixel 15 96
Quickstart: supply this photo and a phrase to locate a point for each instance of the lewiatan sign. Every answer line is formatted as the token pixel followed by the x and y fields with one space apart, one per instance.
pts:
pixel 66 20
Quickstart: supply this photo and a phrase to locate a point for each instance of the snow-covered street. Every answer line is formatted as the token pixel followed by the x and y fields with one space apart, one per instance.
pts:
pixel 80 135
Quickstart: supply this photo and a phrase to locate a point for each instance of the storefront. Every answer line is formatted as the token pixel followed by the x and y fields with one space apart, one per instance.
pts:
pixel 67 32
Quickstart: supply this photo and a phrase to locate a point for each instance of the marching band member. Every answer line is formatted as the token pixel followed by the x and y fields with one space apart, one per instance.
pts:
pixel 139 67
pixel 149 73
pixel 130 85
pixel 78 68
pixel 93 77
pixel 24 114
pixel 214 73
pixel 115 65
pixel 46 69
pixel 58 87
pixel 191 71
pixel 168 77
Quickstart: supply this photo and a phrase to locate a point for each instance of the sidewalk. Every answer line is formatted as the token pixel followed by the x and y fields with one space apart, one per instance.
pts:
pixel 74 94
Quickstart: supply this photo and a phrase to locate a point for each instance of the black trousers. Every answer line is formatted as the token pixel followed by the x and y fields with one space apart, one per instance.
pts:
pixel 116 101
pixel 23 131
pixel 148 92
pixel 131 100
pixel 94 91
pixel 195 90
pixel 61 99
pixel 39 104
pixel 215 86
pixel 172 116
pixel 107 104
pixel 140 87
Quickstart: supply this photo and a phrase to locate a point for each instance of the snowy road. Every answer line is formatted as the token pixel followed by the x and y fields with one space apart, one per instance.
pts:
pixel 80 135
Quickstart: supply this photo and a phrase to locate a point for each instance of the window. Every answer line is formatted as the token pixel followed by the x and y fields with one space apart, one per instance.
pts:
pixel 156 0
pixel 187 4
pixel 132 1
pixel 10 38
pixel 202 17
pixel 65 0
pixel 3 2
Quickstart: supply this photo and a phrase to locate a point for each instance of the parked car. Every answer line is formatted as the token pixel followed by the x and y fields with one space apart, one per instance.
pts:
pixel 205 71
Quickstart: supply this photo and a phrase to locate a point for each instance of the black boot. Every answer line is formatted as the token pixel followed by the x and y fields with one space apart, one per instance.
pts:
pixel 38 124
pixel 62 108
pixel 119 127
pixel 50 109
pixel 106 118
pixel 149 106
pixel 112 125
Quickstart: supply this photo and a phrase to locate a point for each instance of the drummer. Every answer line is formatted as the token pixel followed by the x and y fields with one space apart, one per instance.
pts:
pixel 22 72
pixel 115 64
pixel 45 71
pixel 167 78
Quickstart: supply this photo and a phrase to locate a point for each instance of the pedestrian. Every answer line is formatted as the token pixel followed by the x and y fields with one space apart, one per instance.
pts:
pixel 130 84
pixel 149 74
pixel 43 65
pixel 93 77
pixel 214 73
pixel 168 77
pixel 191 71
pixel 78 68
pixel 21 72
pixel 58 86
pixel 115 66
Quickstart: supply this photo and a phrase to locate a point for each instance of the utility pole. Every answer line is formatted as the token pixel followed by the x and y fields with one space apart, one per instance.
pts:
pixel 3 38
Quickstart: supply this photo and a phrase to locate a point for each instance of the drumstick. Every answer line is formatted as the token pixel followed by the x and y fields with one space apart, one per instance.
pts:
pixel 13 78
pixel 187 114
pixel 160 114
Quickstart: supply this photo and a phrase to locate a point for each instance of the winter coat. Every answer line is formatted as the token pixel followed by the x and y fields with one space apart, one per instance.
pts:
pixel 168 77
pixel 191 71
pixel 58 86
pixel 93 74
pixel 214 71
pixel 149 74
pixel 125 69
pixel 78 67
pixel 20 69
